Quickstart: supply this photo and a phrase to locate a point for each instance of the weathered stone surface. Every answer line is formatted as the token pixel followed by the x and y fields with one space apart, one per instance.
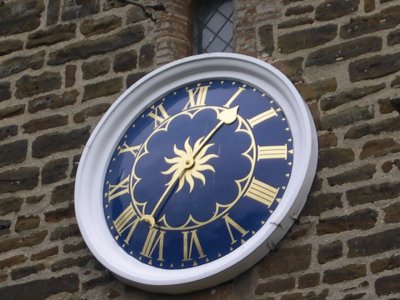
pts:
pixel 135 14
pixel 5 226
pixel 91 111
pixel 369 5
pixel 299 10
pixel 43 288
pixel 308 280
pixel 309 296
pixel 374 67
pixel 12 261
pixel 331 251
pixel 333 157
pixel 295 22
pixel 125 61
pixel 361 219
pixel 86 48
pixel 26 271
pixel 44 254
pixel 95 68
pixel 50 143
pixel 78 9
pixel 63 193
pixel 8 131
pixel 22 241
pixel 347 116
pixel 275 286
pixel 34 199
pixel 28 85
pixel 344 51
pixel 373 192
pixel 380 265
pixel 332 9
pixel 68 248
pixel 345 273
pixel 291 68
pixel 57 215
pixel 387 106
pixel 393 38
pixel 75 163
pixel 266 35
pixel 387 18
pixel 388 125
pixel 71 262
pixel 18 64
pixel 146 55
pixel 52 101
pixel 53 12
pixel 19 179
pixel 314 90
pixel 10 204
pixel 63 232
pixel 105 24
pixel 132 78
pixel 13 153
pixel 379 147
pixel 70 71
pixel 54 170
pixel 332 102
pixel 20 16
pixel 9 46
pixel 5 92
pixel 102 88
pixel 327 140
pixel 375 243
pixel 316 205
pixel 306 38
pixel 45 123
pixel 387 285
pixel 95 282
pixel 364 172
pixel 54 35
pixel 392 213
pixel 286 260
pixel 12 111
pixel 395 83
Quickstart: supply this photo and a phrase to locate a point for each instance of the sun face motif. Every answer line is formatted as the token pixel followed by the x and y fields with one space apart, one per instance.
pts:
pixel 189 164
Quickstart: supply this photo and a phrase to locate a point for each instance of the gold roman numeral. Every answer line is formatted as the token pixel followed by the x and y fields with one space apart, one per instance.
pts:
pixel 191 239
pixel 261 192
pixel 154 239
pixel 230 223
pixel 272 152
pixel 116 190
pixel 159 114
pixel 262 117
pixel 126 148
pixel 197 97
pixel 127 219
pixel 234 96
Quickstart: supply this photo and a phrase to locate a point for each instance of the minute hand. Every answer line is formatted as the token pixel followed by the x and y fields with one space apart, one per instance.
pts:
pixel 226 117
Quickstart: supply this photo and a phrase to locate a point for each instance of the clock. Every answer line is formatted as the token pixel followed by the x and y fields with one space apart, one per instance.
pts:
pixel 195 172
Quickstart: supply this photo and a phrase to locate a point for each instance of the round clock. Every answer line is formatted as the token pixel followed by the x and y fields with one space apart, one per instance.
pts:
pixel 195 172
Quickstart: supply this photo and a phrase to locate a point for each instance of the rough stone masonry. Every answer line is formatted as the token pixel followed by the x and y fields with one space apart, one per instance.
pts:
pixel 63 63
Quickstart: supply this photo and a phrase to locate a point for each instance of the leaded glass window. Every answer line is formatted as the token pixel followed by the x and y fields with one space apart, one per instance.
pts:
pixel 214 26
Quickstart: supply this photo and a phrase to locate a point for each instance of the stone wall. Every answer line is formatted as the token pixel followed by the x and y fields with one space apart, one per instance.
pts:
pixel 63 63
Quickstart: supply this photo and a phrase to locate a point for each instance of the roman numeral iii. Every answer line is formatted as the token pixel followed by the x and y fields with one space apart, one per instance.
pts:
pixel 272 152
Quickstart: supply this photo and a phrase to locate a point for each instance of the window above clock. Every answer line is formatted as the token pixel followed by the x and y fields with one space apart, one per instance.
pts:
pixel 214 27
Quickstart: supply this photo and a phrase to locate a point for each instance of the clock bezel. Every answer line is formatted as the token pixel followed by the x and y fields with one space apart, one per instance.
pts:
pixel 130 105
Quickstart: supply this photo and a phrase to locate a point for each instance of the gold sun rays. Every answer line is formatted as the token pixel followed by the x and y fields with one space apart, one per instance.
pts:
pixel 179 164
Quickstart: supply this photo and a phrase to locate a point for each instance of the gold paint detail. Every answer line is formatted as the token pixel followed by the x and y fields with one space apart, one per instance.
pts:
pixel 127 219
pixel 262 117
pixel 272 152
pixel 261 192
pixel 159 114
pixel 154 238
pixel 197 97
pixel 116 190
pixel 126 148
pixel 230 223
pixel 234 96
pixel 189 242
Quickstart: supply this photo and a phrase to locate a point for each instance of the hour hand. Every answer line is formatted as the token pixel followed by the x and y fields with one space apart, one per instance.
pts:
pixel 228 116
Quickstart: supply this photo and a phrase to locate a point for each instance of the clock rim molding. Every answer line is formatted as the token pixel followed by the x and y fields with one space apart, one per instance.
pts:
pixel 102 142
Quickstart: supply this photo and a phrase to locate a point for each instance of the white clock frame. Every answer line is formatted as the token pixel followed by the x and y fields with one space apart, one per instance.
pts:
pixel 105 137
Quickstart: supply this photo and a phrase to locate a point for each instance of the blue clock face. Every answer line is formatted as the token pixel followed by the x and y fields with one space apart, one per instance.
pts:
pixel 197 174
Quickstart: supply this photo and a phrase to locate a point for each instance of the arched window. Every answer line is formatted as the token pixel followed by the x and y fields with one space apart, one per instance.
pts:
pixel 214 26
